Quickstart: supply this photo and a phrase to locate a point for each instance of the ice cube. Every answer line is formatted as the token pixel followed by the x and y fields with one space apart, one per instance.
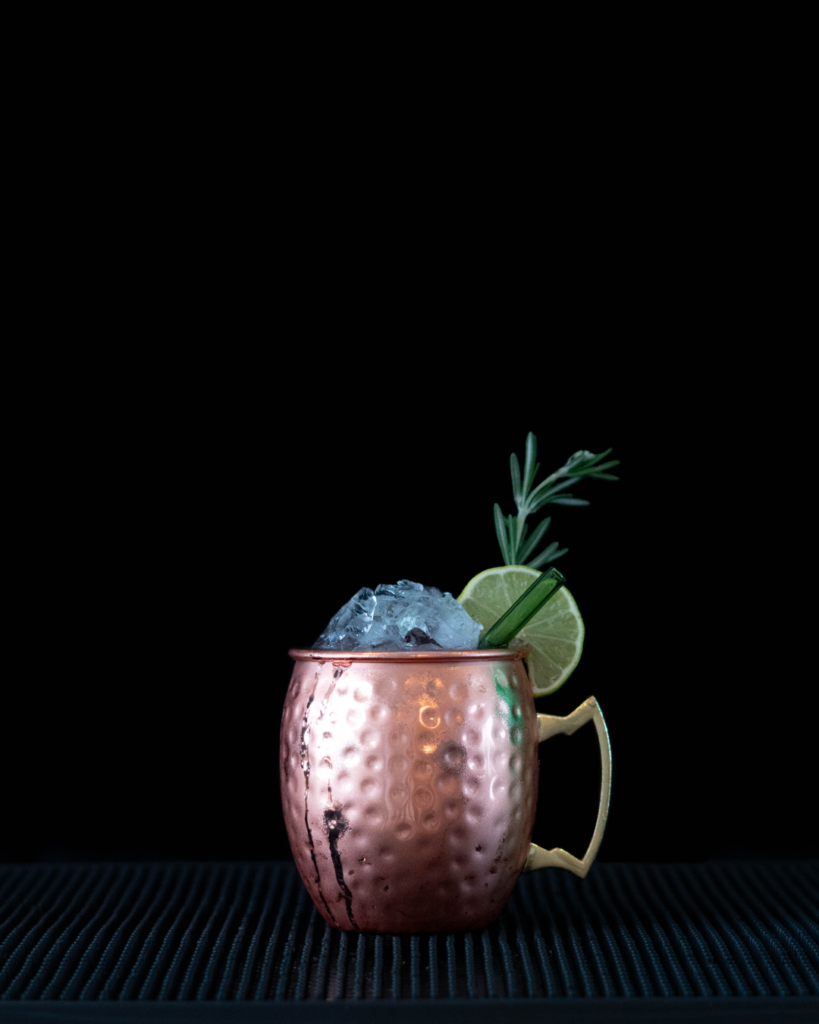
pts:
pixel 400 616
pixel 348 628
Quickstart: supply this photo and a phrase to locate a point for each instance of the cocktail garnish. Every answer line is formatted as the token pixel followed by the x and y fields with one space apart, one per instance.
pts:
pixel 511 531
pixel 526 607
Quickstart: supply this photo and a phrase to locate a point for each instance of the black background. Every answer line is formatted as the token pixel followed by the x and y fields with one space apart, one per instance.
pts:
pixel 196 510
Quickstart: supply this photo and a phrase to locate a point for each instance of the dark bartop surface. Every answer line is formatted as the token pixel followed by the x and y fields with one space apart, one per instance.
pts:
pixel 720 933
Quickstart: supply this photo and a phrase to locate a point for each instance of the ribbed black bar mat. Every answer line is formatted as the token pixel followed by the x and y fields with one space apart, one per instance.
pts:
pixel 728 936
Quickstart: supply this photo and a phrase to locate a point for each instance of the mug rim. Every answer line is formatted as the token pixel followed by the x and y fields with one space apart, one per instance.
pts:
pixel 337 657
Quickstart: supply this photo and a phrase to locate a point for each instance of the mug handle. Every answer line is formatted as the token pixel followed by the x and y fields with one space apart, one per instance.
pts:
pixel 551 725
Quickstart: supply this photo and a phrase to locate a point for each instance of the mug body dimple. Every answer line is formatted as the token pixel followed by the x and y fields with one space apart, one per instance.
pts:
pixel 409 788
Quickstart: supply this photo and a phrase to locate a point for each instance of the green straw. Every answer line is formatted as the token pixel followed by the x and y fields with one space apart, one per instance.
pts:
pixel 527 605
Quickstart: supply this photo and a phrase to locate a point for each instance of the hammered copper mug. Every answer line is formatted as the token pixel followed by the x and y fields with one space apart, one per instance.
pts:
pixel 409 785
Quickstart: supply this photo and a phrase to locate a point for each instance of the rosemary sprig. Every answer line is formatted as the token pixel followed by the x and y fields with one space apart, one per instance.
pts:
pixel 512 531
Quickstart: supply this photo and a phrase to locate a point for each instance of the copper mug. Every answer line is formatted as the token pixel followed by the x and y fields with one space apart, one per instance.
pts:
pixel 409 785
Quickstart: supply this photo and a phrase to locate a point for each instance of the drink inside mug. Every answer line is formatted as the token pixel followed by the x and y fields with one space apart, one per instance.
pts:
pixel 409 771
pixel 409 738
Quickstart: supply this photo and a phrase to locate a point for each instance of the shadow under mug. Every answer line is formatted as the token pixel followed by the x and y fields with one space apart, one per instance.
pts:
pixel 409 785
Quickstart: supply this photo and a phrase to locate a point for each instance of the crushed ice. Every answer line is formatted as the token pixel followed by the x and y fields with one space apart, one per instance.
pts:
pixel 400 617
